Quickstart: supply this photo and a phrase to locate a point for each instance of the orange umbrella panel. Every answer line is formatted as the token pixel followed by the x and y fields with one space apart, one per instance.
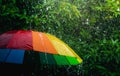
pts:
pixel 42 43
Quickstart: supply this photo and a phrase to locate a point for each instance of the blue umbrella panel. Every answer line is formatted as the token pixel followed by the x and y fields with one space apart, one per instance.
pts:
pixel 11 56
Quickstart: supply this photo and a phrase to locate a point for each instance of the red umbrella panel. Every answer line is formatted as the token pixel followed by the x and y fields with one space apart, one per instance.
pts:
pixel 19 46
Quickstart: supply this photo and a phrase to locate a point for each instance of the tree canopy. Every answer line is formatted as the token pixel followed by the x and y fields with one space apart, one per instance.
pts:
pixel 90 27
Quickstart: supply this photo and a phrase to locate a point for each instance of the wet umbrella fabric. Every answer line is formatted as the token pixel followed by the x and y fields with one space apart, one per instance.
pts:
pixel 14 45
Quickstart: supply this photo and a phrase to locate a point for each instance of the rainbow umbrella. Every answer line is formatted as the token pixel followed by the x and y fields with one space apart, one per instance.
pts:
pixel 27 46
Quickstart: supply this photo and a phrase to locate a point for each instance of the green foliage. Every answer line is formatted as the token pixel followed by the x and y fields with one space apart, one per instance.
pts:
pixel 90 27
pixel 102 58
pixel 110 6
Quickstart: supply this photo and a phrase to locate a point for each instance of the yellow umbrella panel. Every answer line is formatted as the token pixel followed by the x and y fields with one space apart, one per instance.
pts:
pixel 64 51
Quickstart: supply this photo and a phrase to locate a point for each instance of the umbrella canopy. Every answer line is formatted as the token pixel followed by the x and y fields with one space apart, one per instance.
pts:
pixel 17 45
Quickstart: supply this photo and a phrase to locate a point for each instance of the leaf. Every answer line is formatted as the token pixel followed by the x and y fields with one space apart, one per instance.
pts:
pixel 0 1
pixel 14 1
pixel 101 67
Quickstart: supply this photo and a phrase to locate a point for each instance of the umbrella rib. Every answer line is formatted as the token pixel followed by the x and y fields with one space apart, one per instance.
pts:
pixel 7 55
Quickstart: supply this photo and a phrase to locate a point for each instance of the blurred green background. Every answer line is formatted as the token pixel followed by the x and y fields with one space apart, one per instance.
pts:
pixel 90 27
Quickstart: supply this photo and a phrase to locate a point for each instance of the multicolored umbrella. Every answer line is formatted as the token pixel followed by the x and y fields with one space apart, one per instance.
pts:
pixel 19 46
